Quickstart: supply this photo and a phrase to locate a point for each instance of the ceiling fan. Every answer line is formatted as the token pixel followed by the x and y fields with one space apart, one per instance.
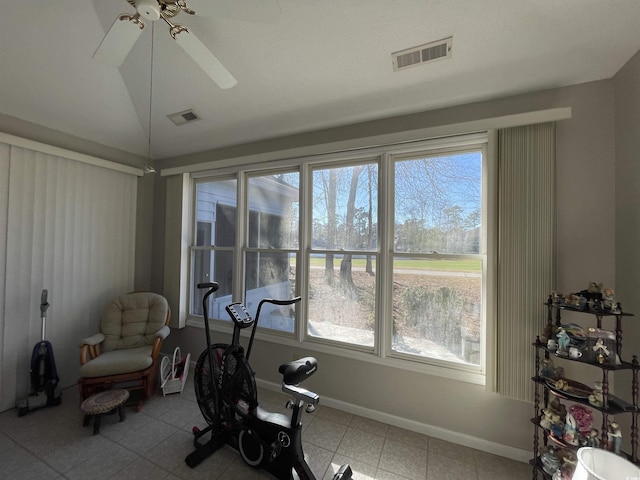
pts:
pixel 127 28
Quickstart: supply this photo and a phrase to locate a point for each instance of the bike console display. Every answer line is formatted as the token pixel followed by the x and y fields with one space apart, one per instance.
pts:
pixel 240 315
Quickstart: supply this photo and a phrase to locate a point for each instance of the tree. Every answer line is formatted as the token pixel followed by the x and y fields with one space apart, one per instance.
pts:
pixel 369 266
pixel 433 198
pixel 331 189
pixel 345 266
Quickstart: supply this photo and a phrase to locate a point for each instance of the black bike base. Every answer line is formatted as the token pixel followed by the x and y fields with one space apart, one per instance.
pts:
pixel 202 452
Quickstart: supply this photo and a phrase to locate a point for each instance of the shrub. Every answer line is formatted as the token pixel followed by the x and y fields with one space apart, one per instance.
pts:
pixel 434 314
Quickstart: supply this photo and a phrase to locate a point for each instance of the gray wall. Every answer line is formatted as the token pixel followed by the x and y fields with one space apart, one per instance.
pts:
pixel 586 251
pixel 627 201
pixel 627 187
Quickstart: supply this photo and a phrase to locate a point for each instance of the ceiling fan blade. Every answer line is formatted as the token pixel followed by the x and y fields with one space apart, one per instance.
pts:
pixel 205 59
pixel 119 40
pixel 259 11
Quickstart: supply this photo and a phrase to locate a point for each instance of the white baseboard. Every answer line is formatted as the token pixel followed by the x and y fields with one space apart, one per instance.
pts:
pixel 426 429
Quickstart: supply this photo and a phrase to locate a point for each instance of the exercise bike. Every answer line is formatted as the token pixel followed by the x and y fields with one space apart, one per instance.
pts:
pixel 227 396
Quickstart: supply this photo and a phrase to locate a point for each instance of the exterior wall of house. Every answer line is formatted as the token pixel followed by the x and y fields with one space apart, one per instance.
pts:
pixel 457 411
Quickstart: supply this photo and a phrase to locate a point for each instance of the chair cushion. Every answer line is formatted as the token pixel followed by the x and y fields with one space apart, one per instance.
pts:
pixel 116 362
pixel 131 320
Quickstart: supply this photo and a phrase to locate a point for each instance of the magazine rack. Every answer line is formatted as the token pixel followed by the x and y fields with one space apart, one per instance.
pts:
pixel 173 373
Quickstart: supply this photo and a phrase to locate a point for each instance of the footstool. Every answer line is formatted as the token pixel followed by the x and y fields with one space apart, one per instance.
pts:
pixel 104 402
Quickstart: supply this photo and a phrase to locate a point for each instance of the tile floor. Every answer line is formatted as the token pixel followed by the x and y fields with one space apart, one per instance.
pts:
pixel 51 443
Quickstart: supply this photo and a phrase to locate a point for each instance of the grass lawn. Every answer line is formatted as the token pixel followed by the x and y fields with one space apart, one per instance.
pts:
pixel 463 265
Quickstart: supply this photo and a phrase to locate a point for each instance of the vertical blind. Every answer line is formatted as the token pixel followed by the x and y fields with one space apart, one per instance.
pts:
pixel 68 227
pixel 526 250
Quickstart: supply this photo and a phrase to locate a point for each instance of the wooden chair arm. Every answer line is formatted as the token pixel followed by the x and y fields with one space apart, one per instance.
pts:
pixel 88 352
pixel 157 343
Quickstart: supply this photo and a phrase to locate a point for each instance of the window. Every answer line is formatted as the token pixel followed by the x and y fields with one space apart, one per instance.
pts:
pixel 438 256
pixel 215 241
pixel 387 248
pixel 343 254
pixel 272 247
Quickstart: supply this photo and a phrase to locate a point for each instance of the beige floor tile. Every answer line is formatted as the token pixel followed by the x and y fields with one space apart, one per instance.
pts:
pixel 362 446
pixel 384 475
pixel 444 467
pixel 407 436
pixel 361 470
pixel 338 416
pixel 52 444
pixel 452 450
pixel 368 425
pixel 102 465
pixel 403 459
pixel 325 434
pixel 317 458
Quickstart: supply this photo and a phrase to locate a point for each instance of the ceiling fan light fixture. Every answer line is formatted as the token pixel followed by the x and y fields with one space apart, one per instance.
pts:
pixel 125 31
pixel 149 9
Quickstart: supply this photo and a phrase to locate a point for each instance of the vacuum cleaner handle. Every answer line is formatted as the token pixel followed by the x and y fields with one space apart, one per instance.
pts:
pixel 44 304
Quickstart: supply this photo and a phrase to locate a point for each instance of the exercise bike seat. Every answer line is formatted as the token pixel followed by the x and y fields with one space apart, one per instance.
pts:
pixel 296 371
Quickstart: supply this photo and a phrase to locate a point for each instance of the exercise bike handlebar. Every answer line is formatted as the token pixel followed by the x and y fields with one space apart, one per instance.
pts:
pixel 289 301
pixel 212 286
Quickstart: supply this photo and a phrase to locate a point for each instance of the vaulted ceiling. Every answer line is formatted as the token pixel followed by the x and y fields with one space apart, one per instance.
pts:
pixel 321 63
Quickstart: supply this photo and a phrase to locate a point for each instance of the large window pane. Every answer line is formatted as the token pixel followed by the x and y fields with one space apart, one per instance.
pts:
pixel 438 204
pixel 345 205
pixel 271 275
pixel 215 265
pixel 436 309
pixel 342 307
pixel 215 238
pixel 342 287
pixel 272 231
pixel 273 211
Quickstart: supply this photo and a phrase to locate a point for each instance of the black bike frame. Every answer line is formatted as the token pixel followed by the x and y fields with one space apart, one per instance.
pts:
pixel 284 432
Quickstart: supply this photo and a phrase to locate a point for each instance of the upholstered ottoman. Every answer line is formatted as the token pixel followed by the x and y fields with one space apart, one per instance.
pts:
pixel 104 402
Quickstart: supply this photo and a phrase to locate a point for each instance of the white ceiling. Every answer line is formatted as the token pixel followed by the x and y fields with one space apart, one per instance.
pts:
pixel 324 63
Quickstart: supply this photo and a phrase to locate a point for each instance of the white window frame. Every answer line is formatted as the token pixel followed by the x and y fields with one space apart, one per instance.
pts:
pixel 442 146
pixel 382 352
pixel 337 161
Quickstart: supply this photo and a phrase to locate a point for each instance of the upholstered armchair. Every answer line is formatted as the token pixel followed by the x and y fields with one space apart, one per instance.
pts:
pixel 125 352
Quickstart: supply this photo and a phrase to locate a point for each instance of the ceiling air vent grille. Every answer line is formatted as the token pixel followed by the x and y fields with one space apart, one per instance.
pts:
pixel 422 54
pixel 181 118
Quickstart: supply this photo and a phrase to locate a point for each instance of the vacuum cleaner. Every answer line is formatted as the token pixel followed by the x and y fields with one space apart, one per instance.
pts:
pixel 43 376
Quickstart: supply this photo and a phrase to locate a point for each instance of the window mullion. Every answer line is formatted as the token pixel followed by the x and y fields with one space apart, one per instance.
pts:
pixel 302 264
pixel 385 270
pixel 242 215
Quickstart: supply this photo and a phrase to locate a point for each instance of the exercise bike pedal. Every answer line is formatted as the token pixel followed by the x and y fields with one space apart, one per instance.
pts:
pixel 343 473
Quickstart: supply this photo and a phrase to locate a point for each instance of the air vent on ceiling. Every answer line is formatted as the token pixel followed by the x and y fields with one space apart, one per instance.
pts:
pixel 422 54
pixel 181 118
